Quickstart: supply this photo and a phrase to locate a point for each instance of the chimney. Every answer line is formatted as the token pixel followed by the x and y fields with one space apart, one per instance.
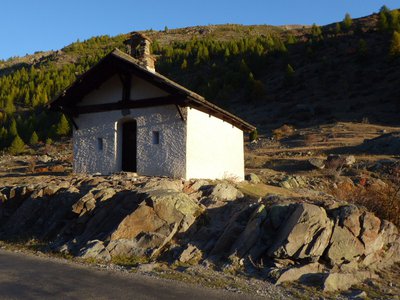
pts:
pixel 139 47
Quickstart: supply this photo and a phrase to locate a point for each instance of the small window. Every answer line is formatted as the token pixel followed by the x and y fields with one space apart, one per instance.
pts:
pixel 100 144
pixel 156 137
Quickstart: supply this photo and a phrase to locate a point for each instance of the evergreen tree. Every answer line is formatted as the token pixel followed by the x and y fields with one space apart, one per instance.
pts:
pixel 34 139
pixel 17 146
pixel 394 17
pixel 338 28
pixel 291 39
pixel 347 21
pixel 63 127
pixel 362 49
pixel 383 21
pixel 289 75
pixel 184 64
pixel 254 135
pixel 316 32
pixel 394 50
pixel 13 128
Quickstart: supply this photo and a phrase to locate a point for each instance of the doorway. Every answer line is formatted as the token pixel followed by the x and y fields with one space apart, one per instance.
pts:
pixel 129 146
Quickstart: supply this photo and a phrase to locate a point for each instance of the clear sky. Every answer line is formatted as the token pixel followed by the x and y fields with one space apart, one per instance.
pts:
pixel 27 26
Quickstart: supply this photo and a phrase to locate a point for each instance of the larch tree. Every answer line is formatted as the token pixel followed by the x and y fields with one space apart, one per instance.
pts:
pixel 394 50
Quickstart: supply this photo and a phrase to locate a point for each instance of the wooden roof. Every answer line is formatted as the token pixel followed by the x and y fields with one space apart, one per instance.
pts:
pixel 118 62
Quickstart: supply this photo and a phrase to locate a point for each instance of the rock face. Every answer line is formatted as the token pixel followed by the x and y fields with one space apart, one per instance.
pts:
pixel 305 233
pixel 101 218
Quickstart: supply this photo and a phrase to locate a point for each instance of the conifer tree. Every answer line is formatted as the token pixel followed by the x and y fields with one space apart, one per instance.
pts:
pixel 395 45
pixel 13 128
pixel 63 127
pixel 383 21
pixel 17 146
pixel 289 76
pixel 347 21
pixel 394 17
pixel 34 139
pixel 184 64
pixel 338 28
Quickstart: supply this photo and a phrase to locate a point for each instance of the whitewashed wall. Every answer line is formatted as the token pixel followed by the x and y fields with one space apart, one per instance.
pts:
pixel 214 148
pixel 164 159
pixel 204 147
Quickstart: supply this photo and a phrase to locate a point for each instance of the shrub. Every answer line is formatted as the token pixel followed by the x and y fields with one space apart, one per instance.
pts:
pixel 283 131
pixel 381 199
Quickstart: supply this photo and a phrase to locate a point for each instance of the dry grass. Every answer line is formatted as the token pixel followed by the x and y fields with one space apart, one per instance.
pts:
pixel 283 131
pixel 381 199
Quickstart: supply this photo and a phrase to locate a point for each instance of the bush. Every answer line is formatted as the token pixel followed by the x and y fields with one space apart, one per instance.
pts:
pixel 381 199
pixel 283 131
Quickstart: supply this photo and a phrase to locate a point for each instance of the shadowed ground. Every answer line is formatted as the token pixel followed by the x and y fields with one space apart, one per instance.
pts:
pixel 27 277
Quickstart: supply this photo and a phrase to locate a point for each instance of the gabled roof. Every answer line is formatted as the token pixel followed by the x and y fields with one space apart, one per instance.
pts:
pixel 119 62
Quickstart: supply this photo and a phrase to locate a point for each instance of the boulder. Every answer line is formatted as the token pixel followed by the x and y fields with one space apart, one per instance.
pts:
pixel 198 184
pixel 305 234
pixel 122 247
pixel 50 189
pixel 289 183
pixel 85 204
pixel 253 178
pixel 292 182
pixel 349 217
pixel 343 281
pixel 190 253
pixel 95 249
pixel 143 219
pixel 158 218
pixel 163 184
pixel 317 162
pixel 373 241
pixel 343 246
pixel 335 161
pixel 105 194
pixel 293 274
pixel 225 191
pixel 251 233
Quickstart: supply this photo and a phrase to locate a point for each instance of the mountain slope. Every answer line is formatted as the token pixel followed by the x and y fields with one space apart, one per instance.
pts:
pixel 267 75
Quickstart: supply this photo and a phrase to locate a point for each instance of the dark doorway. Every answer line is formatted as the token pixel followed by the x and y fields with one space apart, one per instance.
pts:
pixel 129 146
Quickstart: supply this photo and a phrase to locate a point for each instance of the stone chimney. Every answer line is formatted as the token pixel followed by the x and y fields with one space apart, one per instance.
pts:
pixel 139 46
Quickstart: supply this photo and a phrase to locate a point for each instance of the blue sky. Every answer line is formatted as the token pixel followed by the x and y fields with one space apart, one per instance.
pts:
pixel 27 26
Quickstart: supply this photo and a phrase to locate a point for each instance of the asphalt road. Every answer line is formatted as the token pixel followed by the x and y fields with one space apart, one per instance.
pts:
pixel 24 276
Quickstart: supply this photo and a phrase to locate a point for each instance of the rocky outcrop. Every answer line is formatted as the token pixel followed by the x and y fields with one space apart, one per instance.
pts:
pixel 101 218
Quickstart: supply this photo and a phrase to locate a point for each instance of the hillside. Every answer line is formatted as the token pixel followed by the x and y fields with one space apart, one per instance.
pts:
pixel 301 75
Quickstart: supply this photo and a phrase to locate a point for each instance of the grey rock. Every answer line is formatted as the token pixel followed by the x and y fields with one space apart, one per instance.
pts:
pixel 224 191
pixel 95 249
pixel 343 281
pixel 293 274
pixel 253 178
pixel 317 162
pixel 344 246
pixel 305 234
pixel 198 184
pixel 190 253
